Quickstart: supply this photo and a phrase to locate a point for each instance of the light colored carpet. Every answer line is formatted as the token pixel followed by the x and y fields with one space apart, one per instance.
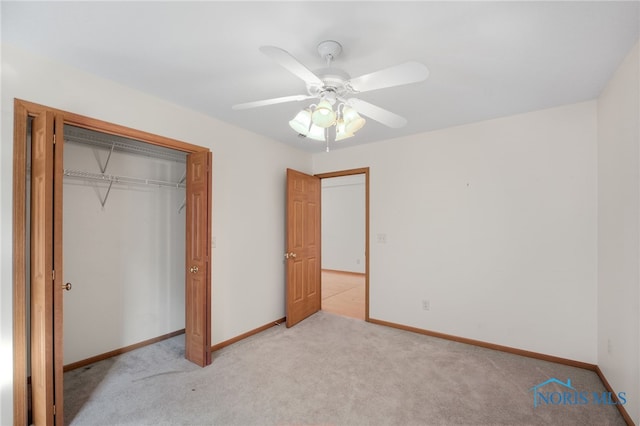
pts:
pixel 327 370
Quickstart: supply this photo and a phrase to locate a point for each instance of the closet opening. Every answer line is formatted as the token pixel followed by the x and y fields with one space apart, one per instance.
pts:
pixel 76 255
pixel 123 239
pixel 124 252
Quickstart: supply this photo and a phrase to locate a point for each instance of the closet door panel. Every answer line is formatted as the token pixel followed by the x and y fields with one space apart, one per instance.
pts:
pixel 198 259
pixel 42 278
pixel 59 288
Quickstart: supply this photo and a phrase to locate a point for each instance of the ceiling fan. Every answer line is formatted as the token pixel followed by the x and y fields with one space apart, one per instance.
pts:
pixel 334 86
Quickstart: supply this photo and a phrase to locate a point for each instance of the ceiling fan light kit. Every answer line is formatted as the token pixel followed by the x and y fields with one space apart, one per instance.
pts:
pixel 341 131
pixel 352 120
pixel 334 86
pixel 311 122
pixel 323 114
pixel 316 133
pixel 300 122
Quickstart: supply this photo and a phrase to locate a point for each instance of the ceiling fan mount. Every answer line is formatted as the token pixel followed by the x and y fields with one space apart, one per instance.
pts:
pixel 329 50
pixel 333 79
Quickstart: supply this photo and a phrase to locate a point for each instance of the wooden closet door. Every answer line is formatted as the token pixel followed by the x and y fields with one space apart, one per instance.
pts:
pixel 198 259
pixel 46 271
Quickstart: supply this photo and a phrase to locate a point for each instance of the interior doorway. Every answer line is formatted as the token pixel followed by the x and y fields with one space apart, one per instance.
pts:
pixel 343 207
pixel 345 275
pixel 303 292
pixel 44 214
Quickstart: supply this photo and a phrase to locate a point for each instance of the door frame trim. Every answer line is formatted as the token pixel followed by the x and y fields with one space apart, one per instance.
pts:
pixel 22 111
pixel 365 172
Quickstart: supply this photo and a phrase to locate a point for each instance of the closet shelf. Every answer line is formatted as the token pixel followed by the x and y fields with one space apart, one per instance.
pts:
pixel 120 143
pixel 120 179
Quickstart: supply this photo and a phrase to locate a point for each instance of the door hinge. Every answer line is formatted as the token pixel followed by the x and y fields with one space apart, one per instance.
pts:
pixel 54 410
pixel 53 275
pixel 54 138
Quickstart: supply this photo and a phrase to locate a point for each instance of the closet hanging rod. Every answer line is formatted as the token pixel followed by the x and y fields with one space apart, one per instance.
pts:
pixel 120 179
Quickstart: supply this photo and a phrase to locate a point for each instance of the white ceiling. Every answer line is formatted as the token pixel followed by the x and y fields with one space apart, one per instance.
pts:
pixel 486 59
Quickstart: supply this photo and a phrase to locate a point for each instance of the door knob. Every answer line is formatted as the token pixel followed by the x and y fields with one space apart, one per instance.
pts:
pixel 66 286
pixel 193 269
pixel 290 254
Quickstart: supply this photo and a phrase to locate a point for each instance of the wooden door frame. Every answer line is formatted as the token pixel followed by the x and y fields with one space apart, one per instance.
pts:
pixel 22 111
pixel 350 172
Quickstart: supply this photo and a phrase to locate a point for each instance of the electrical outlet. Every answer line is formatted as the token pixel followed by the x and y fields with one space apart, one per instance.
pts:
pixel 382 238
pixel 426 306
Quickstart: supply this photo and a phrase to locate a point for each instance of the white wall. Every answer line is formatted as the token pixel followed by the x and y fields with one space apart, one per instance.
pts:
pixel 248 191
pixel 494 223
pixel 343 223
pixel 619 231
pixel 125 260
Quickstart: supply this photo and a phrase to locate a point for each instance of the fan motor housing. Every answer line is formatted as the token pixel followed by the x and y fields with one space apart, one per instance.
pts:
pixel 334 79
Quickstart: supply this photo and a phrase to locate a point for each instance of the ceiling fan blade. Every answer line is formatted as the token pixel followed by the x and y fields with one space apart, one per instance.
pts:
pixel 406 73
pixel 285 59
pixel 272 101
pixel 376 113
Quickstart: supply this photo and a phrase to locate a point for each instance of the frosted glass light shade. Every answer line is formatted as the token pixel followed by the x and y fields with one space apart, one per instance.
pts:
pixel 323 115
pixel 352 120
pixel 301 122
pixel 316 133
pixel 341 131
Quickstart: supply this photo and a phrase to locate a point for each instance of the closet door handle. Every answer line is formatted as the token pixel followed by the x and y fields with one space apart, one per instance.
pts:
pixel 193 269
pixel 66 286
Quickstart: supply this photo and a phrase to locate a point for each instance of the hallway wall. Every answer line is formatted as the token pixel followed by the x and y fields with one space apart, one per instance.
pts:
pixel 343 223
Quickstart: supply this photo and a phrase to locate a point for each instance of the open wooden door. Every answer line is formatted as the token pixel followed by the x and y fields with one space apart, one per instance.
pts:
pixel 198 259
pixel 46 270
pixel 303 246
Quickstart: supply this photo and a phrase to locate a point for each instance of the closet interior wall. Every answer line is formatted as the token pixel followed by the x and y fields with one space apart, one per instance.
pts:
pixel 124 243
